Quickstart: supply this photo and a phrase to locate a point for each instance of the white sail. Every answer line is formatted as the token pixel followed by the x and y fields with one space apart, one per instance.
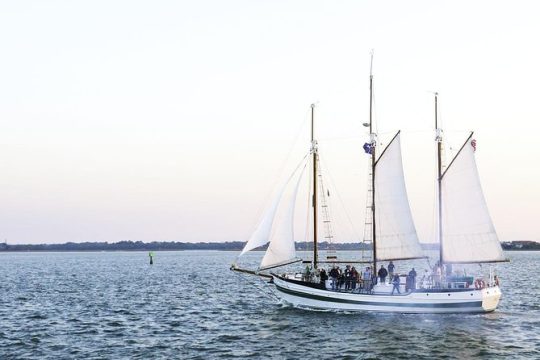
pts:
pixel 261 235
pixel 396 234
pixel 281 249
pixel 468 232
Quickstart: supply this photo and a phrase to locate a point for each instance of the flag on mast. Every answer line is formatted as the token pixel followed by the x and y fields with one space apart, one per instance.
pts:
pixel 368 148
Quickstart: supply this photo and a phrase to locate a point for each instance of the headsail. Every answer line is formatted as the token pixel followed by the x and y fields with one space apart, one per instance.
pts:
pixel 262 233
pixel 281 249
pixel 468 232
pixel 265 229
pixel 396 235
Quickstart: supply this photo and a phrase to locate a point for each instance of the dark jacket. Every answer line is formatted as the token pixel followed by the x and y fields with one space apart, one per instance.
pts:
pixel 323 275
pixel 382 272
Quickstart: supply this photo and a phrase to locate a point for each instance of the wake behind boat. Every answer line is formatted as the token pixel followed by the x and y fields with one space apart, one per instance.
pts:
pixel 465 232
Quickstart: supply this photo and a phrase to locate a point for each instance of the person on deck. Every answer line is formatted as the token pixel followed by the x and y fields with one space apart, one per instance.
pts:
pixel 383 273
pixel 334 275
pixel 341 278
pixel 354 278
pixel 395 282
pixel 426 280
pixel 366 279
pixel 391 268
pixel 412 279
pixel 323 276
pixel 347 276
pixel 307 273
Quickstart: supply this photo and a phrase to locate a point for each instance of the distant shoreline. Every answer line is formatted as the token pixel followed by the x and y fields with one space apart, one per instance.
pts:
pixel 164 246
pixel 224 246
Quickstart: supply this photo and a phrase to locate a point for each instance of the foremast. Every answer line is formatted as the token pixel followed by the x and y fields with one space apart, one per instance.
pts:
pixel 315 155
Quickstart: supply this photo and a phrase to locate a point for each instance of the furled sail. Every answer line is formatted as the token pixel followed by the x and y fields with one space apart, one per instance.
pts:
pixel 261 235
pixel 468 232
pixel 396 234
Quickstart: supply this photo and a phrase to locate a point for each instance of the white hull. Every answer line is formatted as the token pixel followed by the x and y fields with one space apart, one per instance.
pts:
pixel 451 301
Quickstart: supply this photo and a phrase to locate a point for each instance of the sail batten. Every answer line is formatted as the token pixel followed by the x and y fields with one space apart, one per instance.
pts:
pixel 468 231
pixel 396 236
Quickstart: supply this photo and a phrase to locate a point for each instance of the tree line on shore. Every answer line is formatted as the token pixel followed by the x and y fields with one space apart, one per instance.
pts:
pixel 129 245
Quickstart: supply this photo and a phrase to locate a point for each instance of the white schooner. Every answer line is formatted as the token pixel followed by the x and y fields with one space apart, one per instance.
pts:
pixel 465 232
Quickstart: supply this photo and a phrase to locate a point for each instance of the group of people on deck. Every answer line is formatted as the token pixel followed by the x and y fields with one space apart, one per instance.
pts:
pixel 410 283
pixel 349 279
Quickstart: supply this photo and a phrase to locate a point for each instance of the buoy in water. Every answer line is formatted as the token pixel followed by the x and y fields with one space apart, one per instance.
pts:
pixel 151 256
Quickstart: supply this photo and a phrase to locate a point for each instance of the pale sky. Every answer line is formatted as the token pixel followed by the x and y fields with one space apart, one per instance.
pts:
pixel 172 120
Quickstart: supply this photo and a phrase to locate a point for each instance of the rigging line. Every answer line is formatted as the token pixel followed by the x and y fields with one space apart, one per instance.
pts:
pixel 326 210
pixel 332 182
pixel 255 283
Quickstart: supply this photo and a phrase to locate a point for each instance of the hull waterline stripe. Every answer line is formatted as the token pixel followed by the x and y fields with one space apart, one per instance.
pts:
pixel 468 304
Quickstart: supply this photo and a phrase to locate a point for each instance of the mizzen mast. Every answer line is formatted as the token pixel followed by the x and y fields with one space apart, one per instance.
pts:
pixel 438 138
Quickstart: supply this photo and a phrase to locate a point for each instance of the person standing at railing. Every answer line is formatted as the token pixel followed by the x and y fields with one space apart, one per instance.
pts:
pixel 334 275
pixel 391 268
pixel 383 273
pixel 322 276
pixel 354 278
pixel 395 282
pixel 366 279
pixel 426 280
pixel 347 276
pixel 412 279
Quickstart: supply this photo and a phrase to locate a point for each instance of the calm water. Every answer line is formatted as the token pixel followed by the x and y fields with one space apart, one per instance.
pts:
pixel 188 305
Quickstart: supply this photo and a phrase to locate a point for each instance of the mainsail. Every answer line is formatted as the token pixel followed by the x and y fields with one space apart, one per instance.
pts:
pixel 468 232
pixel 276 226
pixel 396 234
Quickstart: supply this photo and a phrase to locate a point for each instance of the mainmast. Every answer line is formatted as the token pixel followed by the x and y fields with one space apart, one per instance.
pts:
pixel 438 138
pixel 314 153
pixel 373 160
